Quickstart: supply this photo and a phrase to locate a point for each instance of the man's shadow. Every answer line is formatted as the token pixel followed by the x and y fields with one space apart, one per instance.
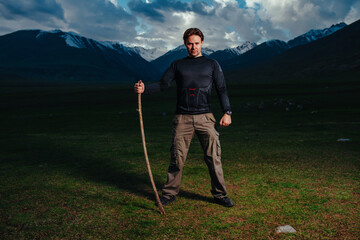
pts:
pixel 195 196
pixel 116 171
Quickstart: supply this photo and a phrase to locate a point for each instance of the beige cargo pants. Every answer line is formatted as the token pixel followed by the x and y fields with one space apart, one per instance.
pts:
pixel 184 127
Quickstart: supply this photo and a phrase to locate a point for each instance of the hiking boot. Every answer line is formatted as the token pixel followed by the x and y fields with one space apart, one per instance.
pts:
pixel 166 201
pixel 225 201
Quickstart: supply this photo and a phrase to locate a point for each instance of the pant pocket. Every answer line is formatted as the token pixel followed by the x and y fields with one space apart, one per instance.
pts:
pixel 210 117
pixel 176 119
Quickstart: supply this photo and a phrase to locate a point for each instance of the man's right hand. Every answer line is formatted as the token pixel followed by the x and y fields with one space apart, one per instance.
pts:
pixel 139 88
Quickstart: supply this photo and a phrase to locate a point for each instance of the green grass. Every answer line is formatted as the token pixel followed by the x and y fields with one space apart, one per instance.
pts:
pixel 72 166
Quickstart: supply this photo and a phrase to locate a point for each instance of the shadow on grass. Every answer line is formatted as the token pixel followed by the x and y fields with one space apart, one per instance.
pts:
pixel 195 196
pixel 79 162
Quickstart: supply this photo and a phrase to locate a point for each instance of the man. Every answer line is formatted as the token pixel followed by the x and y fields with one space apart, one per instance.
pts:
pixel 194 76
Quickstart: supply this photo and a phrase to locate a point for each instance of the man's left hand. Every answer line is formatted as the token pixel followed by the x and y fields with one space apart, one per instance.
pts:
pixel 225 120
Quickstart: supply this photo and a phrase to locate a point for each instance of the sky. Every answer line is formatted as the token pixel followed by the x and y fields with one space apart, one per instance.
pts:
pixel 161 23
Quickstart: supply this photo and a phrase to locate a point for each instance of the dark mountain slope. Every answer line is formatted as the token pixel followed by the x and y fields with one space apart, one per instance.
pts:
pixel 258 54
pixel 34 54
pixel 333 55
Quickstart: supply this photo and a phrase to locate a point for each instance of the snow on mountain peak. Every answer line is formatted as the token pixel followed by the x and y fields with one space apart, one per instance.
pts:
pixel 315 34
pixel 42 32
pixel 74 40
pixel 242 48
pixel 207 51
pixel 118 47
pixel 181 47
pixel 149 54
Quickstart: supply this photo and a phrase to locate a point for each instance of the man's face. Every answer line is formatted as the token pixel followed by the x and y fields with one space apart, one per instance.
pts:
pixel 193 45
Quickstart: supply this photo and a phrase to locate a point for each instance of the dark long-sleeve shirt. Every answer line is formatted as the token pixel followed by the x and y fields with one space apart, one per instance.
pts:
pixel 194 78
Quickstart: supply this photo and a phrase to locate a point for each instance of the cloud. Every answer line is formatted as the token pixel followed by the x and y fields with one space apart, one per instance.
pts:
pixel 226 23
pixel 354 13
pixel 153 10
pixel 147 10
pixel 40 12
pixel 224 3
pixel 161 23
pixel 216 20
pixel 99 19
pixel 298 16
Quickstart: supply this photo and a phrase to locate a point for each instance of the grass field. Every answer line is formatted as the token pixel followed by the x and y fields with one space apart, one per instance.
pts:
pixel 72 166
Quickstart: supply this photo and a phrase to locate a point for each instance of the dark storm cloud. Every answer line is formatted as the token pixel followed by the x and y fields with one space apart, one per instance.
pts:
pixel 163 4
pixel 36 10
pixel 154 9
pixel 202 8
pixel 147 10
pixel 99 19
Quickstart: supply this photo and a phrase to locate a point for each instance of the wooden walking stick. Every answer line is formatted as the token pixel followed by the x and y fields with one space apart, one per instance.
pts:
pixel 162 211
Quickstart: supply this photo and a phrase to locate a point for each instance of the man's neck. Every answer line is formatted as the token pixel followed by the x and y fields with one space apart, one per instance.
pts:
pixel 190 56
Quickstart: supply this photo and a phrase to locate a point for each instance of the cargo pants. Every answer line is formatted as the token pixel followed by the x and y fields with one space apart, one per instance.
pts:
pixel 184 127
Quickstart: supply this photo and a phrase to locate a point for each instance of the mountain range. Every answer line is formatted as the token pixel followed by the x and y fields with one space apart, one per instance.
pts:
pixel 334 57
pixel 57 55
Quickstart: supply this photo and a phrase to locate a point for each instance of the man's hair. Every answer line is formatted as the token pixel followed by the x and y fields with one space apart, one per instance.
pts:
pixel 193 31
